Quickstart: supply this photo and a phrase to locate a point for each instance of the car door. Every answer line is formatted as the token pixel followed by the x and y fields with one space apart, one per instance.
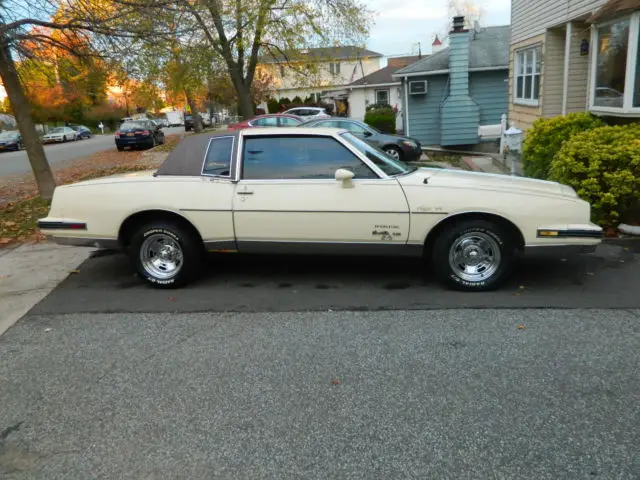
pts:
pixel 287 197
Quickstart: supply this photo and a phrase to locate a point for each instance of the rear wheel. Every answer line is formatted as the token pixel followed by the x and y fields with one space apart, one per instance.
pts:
pixel 165 254
pixel 473 255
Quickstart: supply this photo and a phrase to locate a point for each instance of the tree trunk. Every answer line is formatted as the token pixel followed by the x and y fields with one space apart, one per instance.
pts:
pixel 245 101
pixel 197 119
pixel 37 158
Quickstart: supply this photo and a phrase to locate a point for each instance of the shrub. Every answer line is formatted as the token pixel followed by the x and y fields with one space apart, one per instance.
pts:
pixel 296 100
pixel 381 117
pixel 603 166
pixel 273 105
pixel 545 139
pixel 284 101
pixel 309 100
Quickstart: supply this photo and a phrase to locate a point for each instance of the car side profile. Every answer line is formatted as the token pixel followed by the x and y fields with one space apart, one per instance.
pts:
pixel 59 134
pixel 398 147
pixel 316 191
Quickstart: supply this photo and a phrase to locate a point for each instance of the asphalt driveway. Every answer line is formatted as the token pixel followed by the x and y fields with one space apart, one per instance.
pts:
pixel 608 279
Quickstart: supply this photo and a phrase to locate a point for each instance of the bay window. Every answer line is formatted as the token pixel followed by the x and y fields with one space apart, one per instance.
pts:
pixel 615 86
pixel 527 76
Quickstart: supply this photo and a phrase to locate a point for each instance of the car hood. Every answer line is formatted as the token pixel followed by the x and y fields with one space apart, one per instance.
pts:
pixel 442 177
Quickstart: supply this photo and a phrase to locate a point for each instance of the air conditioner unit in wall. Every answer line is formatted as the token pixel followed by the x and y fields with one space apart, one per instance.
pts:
pixel 418 87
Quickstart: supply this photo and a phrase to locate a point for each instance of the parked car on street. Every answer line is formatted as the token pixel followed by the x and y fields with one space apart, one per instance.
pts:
pixel 59 134
pixel 138 133
pixel 190 122
pixel 397 147
pixel 82 132
pixel 317 190
pixel 10 140
pixel 307 113
pixel 268 120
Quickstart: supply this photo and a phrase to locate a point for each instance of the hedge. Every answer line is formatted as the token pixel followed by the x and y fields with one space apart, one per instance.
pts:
pixel 603 166
pixel 545 138
pixel 382 117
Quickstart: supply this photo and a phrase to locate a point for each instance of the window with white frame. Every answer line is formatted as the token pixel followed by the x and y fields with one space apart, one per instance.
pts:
pixel 527 76
pixel 616 76
pixel 334 68
pixel 382 97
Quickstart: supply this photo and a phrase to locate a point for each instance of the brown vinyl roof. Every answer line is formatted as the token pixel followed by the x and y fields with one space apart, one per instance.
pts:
pixel 613 8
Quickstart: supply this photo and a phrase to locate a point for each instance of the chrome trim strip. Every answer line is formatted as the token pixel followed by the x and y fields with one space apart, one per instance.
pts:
pixel 429 213
pixel 323 211
pixel 206 153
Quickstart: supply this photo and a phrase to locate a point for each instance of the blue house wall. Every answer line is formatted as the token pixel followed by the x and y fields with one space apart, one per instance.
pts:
pixel 490 91
pixel 424 110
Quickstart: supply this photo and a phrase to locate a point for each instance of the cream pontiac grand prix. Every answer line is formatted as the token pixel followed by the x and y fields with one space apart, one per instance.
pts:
pixel 310 191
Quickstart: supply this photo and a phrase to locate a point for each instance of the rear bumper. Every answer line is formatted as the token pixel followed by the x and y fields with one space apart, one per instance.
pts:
pixel 411 154
pixel 133 142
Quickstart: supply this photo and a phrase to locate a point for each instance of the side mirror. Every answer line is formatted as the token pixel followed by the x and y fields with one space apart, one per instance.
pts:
pixel 367 133
pixel 343 175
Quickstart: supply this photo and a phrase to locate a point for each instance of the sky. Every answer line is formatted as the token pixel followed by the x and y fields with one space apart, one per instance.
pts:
pixel 401 24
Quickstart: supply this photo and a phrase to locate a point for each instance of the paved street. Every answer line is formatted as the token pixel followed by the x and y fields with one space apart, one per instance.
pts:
pixel 12 163
pixel 460 394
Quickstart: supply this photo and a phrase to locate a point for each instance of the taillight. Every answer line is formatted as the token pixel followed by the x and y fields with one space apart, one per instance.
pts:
pixel 146 132
pixel 117 134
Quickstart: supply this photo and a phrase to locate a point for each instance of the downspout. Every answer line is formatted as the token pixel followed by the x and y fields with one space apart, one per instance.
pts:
pixel 567 64
pixel 406 105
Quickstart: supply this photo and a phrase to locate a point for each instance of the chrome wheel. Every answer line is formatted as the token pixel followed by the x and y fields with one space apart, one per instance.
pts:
pixel 161 256
pixel 474 256
pixel 393 153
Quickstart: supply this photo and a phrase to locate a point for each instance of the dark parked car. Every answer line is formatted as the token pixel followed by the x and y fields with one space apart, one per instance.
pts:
pixel 81 131
pixel 269 120
pixel 138 133
pixel 189 122
pixel 397 147
pixel 10 140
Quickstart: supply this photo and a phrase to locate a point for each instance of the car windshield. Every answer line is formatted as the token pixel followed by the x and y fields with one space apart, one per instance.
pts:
pixel 383 162
pixel 132 125
pixel 8 135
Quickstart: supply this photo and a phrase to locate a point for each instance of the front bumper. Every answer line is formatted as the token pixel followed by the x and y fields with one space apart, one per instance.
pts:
pixel 411 154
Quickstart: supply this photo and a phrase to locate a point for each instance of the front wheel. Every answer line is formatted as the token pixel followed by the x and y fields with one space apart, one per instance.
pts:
pixel 166 255
pixel 393 152
pixel 64 138
pixel 473 255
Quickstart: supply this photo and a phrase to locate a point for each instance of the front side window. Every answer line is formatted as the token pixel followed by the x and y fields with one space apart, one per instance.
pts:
pixel 288 122
pixel 265 122
pixel 382 97
pixel 611 63
pixel 218 158
pixel 328 124
pixel 383 162
pixel 527 76
pixel 298 157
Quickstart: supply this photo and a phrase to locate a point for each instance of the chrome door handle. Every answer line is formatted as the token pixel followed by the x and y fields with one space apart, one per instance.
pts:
pixel 245 193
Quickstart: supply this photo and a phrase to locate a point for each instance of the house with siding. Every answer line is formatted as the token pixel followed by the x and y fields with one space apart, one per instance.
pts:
pixel 573 56
pixel 379 88
pixel 457 96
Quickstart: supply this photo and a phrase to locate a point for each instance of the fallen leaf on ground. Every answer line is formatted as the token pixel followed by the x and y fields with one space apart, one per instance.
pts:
pixel 172 299
pixel 48 329
pixel 74 271
pixel 335 381
pixel 520 326
pixel 521 287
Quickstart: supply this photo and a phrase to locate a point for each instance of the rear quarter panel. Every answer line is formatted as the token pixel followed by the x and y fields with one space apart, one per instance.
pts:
pixel 104 205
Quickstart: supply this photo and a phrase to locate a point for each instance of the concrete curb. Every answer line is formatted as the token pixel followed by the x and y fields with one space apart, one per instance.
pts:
pixel 23 280
pixel 468 161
